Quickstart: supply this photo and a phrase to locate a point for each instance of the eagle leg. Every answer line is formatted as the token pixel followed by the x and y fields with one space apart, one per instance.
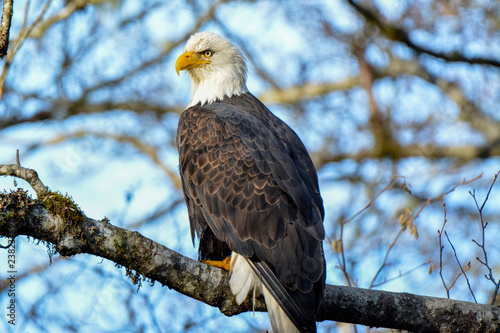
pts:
pixel 224 264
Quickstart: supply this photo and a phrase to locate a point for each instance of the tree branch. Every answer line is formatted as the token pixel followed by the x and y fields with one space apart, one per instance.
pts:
pixel 29 175
pixel 400 35
pixel 71 232
pixel 397 152
pixel 5 27
pixel 64 13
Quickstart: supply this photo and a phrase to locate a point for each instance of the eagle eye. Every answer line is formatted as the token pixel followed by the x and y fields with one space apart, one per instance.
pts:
pixel 207 53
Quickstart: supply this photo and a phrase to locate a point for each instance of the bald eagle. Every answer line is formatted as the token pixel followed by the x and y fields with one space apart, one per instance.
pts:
pixel 250 187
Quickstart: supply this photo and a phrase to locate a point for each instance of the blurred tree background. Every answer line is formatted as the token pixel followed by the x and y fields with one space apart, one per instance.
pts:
pixel 397 102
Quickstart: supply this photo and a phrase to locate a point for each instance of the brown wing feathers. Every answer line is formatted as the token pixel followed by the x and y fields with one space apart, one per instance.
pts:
pixel 249 182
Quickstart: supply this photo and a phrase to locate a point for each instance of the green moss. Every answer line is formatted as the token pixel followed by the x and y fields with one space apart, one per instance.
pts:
pixel 120 247
pixel 73 217
pixel 7 220
pixel 62 205
pixel 117 243
pixel 17 204
pixel 135 277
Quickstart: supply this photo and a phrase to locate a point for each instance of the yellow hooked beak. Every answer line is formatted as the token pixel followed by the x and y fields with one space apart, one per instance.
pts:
pixel 189 60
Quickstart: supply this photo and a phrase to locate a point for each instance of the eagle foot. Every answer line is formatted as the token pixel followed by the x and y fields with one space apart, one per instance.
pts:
pixel 224 264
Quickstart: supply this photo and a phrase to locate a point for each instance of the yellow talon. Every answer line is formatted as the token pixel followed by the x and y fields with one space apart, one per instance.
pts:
pixel 224 264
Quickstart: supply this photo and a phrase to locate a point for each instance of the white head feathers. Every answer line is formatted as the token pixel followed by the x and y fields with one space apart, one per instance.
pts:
pixel 224 72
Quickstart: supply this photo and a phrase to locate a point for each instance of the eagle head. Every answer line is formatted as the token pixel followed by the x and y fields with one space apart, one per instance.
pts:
pixel 216 67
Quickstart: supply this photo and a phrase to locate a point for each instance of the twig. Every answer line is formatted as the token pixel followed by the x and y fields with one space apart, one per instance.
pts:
pixel 455 280
pixel 482 245
pixel 411 220
pixel 376 196
pixel 384 263
pixel 463 271
pixel 343 266
pixel 407 221
pixel 463 182
pixel 441 246
pixel 427 261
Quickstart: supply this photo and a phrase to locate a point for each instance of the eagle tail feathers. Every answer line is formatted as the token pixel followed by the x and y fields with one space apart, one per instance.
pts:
pixel 243 278
pixel 292 304
pixel 284 307
pixel 279 320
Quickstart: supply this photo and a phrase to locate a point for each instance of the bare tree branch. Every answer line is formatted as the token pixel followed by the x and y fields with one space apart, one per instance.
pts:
pixel 295 94
pixel 64 109
pixel 397 152
pixel 484 224
pixel 460 265
pixel 400 35
pixel 64 13
pixel 441 247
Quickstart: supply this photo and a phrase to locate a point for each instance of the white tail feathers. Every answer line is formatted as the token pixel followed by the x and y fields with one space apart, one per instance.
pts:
pixel 279 320
pixel 243 280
